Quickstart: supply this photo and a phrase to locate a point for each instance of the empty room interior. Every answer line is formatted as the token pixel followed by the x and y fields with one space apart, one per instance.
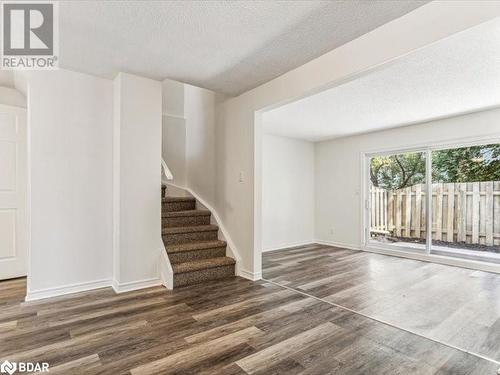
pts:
pixel 250 187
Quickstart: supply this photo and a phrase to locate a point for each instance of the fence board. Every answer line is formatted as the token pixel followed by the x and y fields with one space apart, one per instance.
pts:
pixel 390 211
pixel 461 218
pixel 398 212
pixel 475 213
pixel 386 223
pixel 373 211
pixel 408 212
pixel 489 214
pixel 418 209
pixel 464 212
pixel 450 212
pixel 438 212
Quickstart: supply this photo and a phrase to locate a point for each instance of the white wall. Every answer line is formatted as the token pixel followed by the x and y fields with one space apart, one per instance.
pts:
pixel 137 181
pixel 70 141
pixel 12 97
pixel 172 98
pixel 238 127
pixel 174 130
pixel 338 167
pixel 189 137
pixel 287 192
pixel 199 107
pixel 174 147
pixel 94 182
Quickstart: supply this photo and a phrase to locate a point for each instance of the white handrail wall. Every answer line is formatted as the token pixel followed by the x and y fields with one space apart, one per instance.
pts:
pixel 166 171
pixel 166 271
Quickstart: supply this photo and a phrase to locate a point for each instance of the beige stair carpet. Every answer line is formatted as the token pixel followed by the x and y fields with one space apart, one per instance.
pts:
pixel 192 244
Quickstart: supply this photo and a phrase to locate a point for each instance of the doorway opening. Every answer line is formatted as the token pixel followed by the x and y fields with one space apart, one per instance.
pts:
pixel 13 187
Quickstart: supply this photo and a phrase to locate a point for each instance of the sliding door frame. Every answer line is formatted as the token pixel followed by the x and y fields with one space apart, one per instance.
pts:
pixel 405 252
pixel 428 201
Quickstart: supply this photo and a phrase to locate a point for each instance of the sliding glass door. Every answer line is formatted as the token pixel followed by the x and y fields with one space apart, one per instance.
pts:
pixel 397 190
pixel 457 215
pixel 466 202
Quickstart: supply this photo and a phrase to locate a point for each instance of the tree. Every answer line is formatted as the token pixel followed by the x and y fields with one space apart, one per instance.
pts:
pixel 398 171
pixel 466 164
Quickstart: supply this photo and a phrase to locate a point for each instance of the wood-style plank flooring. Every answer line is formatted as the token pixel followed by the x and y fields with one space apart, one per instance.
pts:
pixel 457 306
pixel 231 326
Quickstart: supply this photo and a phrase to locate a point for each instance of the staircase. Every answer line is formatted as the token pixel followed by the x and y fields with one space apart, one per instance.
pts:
pixel 192 243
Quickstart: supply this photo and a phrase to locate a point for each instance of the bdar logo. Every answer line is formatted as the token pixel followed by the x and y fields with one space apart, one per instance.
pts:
pixel 8 367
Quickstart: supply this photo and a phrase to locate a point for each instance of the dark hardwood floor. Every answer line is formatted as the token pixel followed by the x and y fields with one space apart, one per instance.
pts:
pixel 232 326
pixel 457 306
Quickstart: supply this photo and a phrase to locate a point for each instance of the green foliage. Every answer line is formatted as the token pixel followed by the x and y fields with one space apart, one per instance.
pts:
pixel 398 171
pixel 467 164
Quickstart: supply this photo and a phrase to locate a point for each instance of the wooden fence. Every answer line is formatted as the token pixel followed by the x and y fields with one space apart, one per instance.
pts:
pixel 463 212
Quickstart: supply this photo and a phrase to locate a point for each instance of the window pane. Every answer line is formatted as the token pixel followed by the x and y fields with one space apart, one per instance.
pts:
pixel 397 200
pixel 466 201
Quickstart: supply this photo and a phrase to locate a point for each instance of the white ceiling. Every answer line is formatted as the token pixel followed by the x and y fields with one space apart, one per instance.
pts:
pixel 226 46
pixel 456 75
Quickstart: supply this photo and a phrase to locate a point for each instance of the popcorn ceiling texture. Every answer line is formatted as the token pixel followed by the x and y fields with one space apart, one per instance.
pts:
pixel 228 47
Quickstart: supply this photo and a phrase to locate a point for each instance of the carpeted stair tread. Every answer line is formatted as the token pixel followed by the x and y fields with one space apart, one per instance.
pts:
pixel 191 242
pixel 202 264
pixel 178 199
pixel 190 229
pixel 192 246
pixel 186 213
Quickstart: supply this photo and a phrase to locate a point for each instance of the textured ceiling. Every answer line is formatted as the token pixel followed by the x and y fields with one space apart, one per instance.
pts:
pixel 456 75
pixel 225 46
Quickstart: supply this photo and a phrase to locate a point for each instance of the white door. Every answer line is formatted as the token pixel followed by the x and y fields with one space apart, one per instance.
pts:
pixel 13 169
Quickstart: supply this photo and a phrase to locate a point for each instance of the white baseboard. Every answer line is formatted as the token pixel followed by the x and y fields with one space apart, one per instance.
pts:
pixel 289 245
pixel 67 289
pixel 338 244
pixel 253 276
pixel 135 285
pixel 91 285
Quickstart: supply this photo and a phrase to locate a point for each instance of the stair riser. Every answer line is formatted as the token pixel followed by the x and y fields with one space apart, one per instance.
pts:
pixel 177 206
pixel 196 277
pixel 178 238
pixel 187 256
pixel 185 221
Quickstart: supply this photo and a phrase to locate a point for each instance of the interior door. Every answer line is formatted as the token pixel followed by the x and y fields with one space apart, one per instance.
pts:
pixel 13 170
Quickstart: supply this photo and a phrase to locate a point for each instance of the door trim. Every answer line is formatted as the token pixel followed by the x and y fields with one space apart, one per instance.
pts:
pixel 22 236
pixel 404 252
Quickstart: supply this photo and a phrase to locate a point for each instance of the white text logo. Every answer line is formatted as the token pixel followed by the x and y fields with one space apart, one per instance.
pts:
pixel 8 367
